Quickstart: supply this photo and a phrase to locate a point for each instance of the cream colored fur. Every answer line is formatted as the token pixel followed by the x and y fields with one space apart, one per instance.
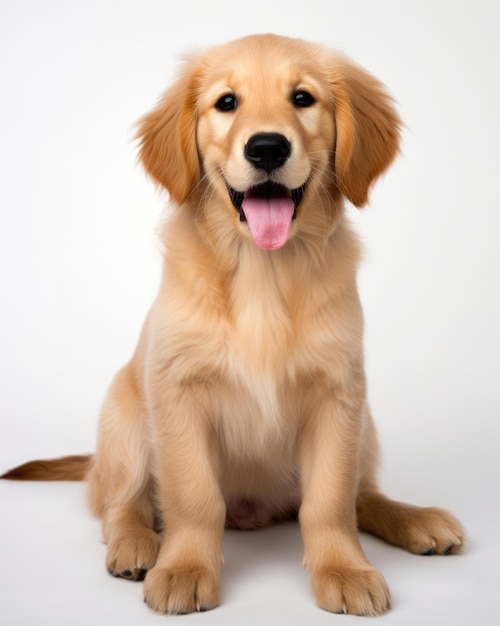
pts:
pixel 246 397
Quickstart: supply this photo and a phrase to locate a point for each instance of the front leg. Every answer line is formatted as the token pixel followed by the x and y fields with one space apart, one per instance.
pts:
pixel 343 580
pixel 186 575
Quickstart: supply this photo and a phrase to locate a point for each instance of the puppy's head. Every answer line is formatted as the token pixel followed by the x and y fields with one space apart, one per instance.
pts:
pixel 274 130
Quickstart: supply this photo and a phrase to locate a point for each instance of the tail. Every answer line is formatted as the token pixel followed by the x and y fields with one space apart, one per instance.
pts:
pixel 67 468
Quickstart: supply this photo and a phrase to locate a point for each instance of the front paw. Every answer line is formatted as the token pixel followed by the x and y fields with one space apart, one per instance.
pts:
pixel 133 555
pixel 355 591
pixel 180 590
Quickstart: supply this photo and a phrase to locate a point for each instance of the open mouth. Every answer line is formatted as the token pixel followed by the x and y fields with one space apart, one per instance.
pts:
pixel 269 210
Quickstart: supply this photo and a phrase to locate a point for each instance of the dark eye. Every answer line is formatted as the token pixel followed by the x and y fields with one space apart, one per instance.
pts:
pixel 302 99
pixel 226 103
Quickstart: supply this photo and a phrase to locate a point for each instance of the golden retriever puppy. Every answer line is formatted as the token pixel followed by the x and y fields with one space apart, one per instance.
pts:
pixel 245 401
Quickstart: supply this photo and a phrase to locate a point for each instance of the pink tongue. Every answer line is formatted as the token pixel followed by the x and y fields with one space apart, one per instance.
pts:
pixel 269 220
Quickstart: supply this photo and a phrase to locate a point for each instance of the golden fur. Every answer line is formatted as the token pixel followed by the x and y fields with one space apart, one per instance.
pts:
pixel 245 401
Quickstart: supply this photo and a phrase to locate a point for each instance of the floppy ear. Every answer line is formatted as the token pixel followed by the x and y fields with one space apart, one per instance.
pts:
pixel 168 139
pixel 367 130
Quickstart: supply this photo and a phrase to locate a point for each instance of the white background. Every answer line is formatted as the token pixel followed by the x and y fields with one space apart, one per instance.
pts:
pixel 80 262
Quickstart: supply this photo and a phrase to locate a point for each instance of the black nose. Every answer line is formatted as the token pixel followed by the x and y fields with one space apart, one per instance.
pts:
pixel 267 151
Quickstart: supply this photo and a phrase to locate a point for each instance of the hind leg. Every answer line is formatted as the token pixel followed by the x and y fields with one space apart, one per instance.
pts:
pixel 120 483
pixel 421 530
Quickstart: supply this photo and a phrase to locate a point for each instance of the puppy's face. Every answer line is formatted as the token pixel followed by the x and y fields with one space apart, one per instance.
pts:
pixel 265 136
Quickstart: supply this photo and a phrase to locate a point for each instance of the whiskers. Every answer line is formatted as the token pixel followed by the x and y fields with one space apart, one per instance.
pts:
pixel 214 212
pixel 322 207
